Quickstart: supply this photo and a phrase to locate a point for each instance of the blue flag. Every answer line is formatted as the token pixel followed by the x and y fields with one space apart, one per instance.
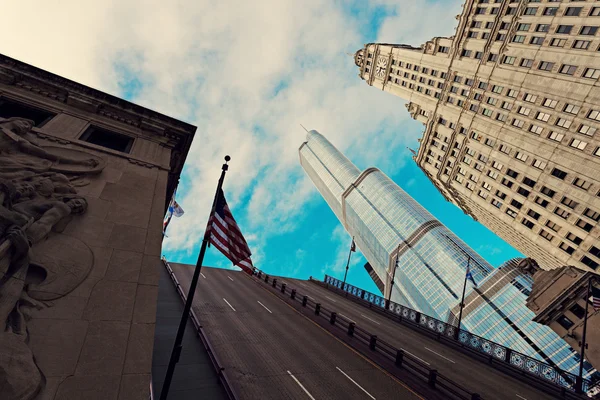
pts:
pixel 470 276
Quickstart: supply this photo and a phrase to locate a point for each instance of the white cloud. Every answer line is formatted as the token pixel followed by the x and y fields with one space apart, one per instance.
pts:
pixel 218 65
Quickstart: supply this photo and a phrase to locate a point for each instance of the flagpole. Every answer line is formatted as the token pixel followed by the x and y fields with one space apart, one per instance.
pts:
pixel 348 263
pixel 583 344
pixel 462 301
pixel 176 353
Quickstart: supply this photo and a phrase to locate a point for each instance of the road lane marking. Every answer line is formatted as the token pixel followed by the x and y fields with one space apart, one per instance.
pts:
pixel 353 381
pixel 299 384
pixel 230 278
pixel 335 301
pixel 418 358
pixel 521 397
pixel 367 360
pixel 427 348
pixel 228 304
pixel 348 318
pixel 372 320
pixel 264 307
pixel 202 275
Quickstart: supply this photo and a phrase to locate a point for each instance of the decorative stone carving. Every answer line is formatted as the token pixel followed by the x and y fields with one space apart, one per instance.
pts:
pixel 528 266
pixel 359 58
pixel 38 198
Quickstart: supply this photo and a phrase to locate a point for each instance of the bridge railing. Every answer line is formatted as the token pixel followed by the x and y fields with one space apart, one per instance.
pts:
pixel 494 351
pixel 397 356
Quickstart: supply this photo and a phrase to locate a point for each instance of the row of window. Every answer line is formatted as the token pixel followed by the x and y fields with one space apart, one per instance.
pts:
pixel 565 69
pixel 580 44
pixel 417 68
pixel 576 143
pixel 531 11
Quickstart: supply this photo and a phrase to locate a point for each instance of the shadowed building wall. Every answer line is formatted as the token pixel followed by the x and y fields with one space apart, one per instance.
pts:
pixel 91 180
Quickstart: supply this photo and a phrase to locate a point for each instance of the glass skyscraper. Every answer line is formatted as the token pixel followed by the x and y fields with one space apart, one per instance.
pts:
pixel 391 228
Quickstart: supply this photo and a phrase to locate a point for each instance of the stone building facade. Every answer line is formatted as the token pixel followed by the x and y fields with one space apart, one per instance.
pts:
pixel 511 109
pixel 559 300
pixel 85 178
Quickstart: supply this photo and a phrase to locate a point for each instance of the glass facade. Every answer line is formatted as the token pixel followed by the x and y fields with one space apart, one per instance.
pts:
pixel 388 224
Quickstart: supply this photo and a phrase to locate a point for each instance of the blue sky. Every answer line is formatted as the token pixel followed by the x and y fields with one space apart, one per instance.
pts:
pixel 247 74
pixel 317 244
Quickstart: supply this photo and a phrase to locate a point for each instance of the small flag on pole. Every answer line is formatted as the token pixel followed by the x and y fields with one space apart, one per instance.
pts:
pixel 226 236
pixel 595 298
pixel 177 210
pixel 470 276
pixel 173 210
pixel 353 245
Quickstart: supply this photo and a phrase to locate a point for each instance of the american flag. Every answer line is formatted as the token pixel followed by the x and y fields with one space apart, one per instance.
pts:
pixel 226 236
pixel 595 298
pixel 470 276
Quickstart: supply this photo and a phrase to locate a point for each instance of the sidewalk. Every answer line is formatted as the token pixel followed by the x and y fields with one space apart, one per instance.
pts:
pixel 194 375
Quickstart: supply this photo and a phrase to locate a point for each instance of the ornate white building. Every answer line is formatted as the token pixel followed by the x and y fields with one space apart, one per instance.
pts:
pixel 511 105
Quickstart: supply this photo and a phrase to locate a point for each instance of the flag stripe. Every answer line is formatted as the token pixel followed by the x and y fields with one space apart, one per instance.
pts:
pixel 228 227
pixel 224 233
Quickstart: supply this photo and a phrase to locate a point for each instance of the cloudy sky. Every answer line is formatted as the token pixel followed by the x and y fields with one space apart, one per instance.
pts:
pixel 248 73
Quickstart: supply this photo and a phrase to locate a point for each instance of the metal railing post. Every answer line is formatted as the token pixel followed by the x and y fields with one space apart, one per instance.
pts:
pixel 332 318
pixel 293 295
pixel 399 357
pixel 304 301
pixel 317 308
pixel 475 396
pixel 283 288
pixel 373 342
pixel 351 329
pixel 274 282
pixel 432 377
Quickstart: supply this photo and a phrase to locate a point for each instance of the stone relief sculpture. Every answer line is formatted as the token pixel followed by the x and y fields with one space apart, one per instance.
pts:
pixel 38 198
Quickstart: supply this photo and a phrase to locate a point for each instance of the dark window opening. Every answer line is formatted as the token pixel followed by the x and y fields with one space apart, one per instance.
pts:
pixel 578 311
pixel 108 139
pixel 565 322
pixel 9 109
pixel 589 262
pixel 559 173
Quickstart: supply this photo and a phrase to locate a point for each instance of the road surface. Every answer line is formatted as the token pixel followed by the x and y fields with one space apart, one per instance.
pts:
pixel 271 351
pixel 487 381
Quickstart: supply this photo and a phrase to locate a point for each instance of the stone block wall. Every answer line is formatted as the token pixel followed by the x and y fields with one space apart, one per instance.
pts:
pixel 95 342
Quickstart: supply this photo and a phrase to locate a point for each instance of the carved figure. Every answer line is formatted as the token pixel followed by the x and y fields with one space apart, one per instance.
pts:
pixel 15 147
pixel 35 201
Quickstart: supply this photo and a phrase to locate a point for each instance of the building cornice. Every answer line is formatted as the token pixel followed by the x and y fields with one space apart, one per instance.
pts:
pixel 56 89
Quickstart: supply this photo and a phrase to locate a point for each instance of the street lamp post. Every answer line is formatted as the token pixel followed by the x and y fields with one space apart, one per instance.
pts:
pixel 352 249
pixel 462 301
pixel 387 302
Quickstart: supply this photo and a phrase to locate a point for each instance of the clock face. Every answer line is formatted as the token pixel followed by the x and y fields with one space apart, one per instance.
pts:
pixel 381 67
